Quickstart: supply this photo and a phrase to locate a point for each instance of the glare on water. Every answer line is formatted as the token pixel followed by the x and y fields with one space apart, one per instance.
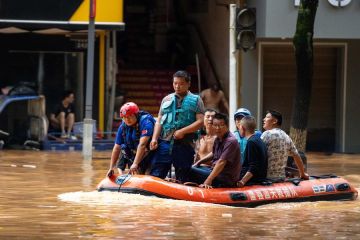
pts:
pixel 51 195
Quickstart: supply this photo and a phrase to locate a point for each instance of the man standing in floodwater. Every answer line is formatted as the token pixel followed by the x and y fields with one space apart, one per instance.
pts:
pixel 180 117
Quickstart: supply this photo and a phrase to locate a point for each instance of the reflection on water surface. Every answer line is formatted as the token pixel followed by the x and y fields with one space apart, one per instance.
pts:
pixel 51 195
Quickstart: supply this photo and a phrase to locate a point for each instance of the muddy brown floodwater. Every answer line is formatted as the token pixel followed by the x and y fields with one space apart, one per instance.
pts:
pixel 51 195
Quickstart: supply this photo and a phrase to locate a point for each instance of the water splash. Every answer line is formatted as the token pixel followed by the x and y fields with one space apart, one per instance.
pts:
pixel 125 199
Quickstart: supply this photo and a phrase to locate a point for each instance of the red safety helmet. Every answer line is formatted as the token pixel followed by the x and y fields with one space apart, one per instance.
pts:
pixel 128 109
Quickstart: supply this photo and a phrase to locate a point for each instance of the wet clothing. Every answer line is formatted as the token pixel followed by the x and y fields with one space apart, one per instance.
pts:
pixel 176 113
pixel 255 160
pixel 128 137
pixel 279 147
pixel 242 142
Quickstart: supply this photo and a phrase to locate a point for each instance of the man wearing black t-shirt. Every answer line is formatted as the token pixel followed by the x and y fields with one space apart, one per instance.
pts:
pixel 63 116
pixel 254 167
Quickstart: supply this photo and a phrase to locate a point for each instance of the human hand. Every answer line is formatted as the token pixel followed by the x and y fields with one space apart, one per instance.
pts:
pixel 240 184
pixel 206 184
pixel 304 176
pixel 134 169
pixel 153 144
pixel 110 173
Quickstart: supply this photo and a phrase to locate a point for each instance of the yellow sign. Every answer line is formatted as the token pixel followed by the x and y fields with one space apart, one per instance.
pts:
pixel 107 11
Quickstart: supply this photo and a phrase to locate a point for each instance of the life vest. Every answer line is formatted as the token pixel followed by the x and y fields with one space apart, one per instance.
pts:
pixel 176 118
pixel 131 138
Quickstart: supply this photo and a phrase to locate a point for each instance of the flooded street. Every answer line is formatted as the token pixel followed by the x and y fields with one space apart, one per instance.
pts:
pixel 51 195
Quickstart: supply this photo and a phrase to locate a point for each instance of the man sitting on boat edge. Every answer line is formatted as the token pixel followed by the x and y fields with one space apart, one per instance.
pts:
pixel 279 147
pixel 254 165
pixel 205 143
pixel 132 140
pixel 225 169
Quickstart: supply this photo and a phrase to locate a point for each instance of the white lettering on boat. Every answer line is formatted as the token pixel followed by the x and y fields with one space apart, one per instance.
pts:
pixel 190 191
pixel 202 193
pixel 259 195
pixel 272 193
pixel 266 194
pixel 252 195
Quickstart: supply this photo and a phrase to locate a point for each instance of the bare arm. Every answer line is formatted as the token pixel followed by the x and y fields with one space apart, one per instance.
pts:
pixel 248 175
pixel 300 166
pixel 52 117
pixel 219 166
pixel 156 134
pixel 140 153
pixel 204 159
pixel 114 157
pixel 224 101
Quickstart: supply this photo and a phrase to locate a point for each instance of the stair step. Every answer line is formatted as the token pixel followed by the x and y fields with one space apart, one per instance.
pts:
pixel 145 87
pixel 145 72
pixel 143 80
pixel 145 102
pixel 144 94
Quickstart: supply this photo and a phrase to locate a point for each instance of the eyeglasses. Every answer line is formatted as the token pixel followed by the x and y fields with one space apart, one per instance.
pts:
pixel 218 126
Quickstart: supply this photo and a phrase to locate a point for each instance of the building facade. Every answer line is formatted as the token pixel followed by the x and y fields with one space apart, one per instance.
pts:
pixel 267 73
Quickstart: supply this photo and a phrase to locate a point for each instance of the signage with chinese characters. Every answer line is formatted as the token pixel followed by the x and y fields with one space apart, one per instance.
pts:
pixel 272 193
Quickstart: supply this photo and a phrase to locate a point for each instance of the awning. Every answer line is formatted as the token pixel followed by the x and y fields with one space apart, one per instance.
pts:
pixel 35 25
pixel 64 15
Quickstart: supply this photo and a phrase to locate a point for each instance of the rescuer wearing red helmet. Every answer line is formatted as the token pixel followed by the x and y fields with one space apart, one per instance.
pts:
pixel 132 140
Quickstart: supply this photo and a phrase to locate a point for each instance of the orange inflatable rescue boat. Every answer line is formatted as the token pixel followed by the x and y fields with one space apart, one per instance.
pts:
pixel 320 188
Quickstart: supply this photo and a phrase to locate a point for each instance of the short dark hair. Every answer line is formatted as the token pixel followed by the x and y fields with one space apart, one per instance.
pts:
pixel 67 93
pixel 277 115
pixel 183 74
pixel 222 116
pixel 249 123
pixel 210 110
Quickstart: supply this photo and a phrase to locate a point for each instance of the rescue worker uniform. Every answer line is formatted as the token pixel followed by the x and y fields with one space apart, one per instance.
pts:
pixel 128 138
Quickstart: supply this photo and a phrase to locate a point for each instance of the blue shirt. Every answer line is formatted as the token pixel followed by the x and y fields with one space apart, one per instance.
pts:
pixel 129 136
pixel 243 141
